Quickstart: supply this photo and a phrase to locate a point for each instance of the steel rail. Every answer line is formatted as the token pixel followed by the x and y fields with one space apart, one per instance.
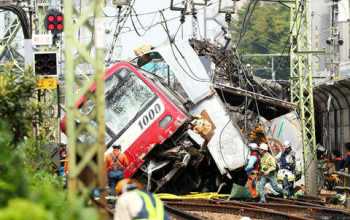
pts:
pixel 311 199
pixel 315 211
pixel 308 211
pixel 181 214
pixel 242 209
pixel 292 201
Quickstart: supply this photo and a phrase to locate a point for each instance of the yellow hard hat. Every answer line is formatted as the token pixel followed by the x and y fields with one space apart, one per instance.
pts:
pixel 124 183
pixel 142 50
pixel 121 185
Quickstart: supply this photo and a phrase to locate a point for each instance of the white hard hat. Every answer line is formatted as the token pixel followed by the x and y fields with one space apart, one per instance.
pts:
pixel 264 146
pixel 287 144
pixel 253 146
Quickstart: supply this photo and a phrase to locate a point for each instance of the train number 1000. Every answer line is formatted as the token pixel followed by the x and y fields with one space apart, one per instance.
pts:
pixel 149 116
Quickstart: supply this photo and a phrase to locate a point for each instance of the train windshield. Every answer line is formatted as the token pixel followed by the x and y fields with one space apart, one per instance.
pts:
pixel 126 97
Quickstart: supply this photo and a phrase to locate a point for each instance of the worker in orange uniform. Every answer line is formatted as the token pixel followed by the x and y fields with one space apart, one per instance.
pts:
pixel 252 169
pixel 134 203
pixel 116 162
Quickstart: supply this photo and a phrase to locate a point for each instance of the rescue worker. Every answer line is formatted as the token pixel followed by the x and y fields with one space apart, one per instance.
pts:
pixel 135 204
pixel 286 158
pixel 268 167
pixel 116 162
pixel 321 153
pixel 252 169
pixel 337 160
pixel 286 162
pixel 62 171
pixel 63 167
pixel 347 157
pixel 253 159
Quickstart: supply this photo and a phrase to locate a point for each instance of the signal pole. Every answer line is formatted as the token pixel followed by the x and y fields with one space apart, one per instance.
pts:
pixel 45 46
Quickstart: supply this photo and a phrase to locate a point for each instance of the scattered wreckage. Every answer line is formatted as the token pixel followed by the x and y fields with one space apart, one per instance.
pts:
pixel 183 114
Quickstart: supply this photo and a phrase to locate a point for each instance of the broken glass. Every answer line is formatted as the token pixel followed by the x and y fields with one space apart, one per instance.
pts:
pixel 126 96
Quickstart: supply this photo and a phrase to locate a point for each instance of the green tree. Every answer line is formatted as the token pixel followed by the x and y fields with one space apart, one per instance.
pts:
pixel 266 32
pixel 17 107
pixel 29 189
pixel 12 178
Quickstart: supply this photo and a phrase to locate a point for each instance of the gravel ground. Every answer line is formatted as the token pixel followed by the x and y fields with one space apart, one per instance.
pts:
pixel 216 216
pixel 219 216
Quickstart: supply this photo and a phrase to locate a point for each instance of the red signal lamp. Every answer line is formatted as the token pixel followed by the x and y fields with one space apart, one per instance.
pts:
pixel 59 18
pixel 51 27
pixel 51 18
pixel 59 27
pixel 54 21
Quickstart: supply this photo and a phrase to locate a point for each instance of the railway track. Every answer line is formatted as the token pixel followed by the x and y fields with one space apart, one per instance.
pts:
pixel 234 209
pixel 275 209
pixel 180 214
pixel 282 209
pixel 313 212
pixel 312 199
pixel 305 202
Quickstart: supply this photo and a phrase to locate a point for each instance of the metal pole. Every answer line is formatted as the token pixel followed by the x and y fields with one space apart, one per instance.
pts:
pixel 205 22
pixel 100 88
pixel 273 69
pixel 76 54
pixel 69 87
pixel 302 88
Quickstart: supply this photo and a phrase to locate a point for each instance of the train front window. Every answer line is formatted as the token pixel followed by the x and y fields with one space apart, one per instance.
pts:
pixel 126 96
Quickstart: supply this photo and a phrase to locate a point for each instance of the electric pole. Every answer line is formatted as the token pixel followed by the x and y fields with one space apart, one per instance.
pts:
pixel 334 42
pixel 301 80
pixel 90 125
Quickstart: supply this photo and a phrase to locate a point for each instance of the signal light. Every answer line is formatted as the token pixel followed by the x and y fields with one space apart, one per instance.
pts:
pixel 51 27
pixel 59 27
pixel 45 63
pixel 51 18
pixel 59 18
pixel 54 21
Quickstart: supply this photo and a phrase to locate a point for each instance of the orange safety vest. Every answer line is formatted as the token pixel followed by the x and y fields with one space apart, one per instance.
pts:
pixel 116 161
pixel 116 164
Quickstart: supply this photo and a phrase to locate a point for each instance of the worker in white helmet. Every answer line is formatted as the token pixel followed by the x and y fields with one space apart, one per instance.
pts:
pixel 286 162
pixel 286 158
pixel 268 167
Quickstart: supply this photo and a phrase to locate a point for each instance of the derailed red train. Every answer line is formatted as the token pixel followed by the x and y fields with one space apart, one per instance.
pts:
pixel 150 122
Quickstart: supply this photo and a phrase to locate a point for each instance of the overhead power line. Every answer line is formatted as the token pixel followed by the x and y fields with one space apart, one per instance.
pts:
pixel 118 29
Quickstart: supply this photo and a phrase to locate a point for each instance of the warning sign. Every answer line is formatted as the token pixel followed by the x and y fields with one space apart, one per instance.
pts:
pixel 47 83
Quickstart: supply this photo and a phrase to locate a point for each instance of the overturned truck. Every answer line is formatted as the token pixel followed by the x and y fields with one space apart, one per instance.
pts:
pixel 153 104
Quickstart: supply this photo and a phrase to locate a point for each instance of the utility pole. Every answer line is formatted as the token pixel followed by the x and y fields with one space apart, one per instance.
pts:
pixel 90 126
pixel 334 42
pixel 301 88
